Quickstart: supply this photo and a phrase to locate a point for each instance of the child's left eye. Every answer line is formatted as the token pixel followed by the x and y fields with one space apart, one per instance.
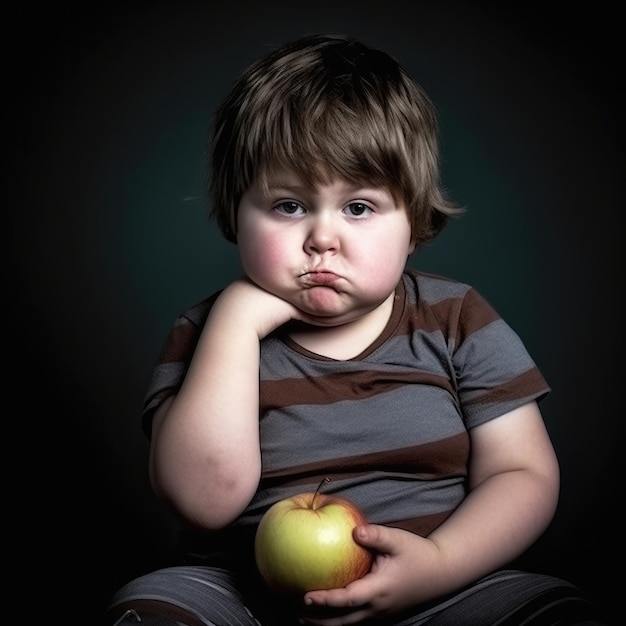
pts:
pixel 357 209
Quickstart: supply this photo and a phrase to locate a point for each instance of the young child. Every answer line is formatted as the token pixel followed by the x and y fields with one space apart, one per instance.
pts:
pixel 331 358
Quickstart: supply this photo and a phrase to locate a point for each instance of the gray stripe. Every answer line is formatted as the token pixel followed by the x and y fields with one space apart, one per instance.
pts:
pixel 207 593
pixel 409 415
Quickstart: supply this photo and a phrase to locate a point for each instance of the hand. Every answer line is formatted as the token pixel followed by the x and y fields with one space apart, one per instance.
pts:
pixel 252 307
pixel 401 576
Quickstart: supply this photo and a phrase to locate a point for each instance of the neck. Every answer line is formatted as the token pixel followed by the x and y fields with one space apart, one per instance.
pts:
pixel 347 340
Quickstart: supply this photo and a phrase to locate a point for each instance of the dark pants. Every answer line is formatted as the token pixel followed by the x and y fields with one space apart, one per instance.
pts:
pixel 206 596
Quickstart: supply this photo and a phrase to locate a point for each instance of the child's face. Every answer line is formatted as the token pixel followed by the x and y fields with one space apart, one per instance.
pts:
pixel 334 251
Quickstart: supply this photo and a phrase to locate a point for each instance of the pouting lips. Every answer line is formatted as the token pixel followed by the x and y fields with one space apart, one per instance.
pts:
pixel 321 278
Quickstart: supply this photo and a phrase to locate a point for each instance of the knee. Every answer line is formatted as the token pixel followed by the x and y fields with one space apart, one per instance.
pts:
pixel 150 613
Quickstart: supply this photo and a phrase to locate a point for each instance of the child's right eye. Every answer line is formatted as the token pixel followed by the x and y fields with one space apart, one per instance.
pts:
pixel 289 208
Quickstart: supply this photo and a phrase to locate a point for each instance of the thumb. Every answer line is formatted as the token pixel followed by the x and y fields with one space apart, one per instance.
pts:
pixel 375 537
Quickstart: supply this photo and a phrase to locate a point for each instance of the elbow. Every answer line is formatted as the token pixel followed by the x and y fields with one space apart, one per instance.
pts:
pixel 544 492
pixel 205 504
pixel 553 488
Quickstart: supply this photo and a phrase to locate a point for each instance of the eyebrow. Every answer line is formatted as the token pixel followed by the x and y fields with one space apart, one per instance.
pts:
pixel 274 184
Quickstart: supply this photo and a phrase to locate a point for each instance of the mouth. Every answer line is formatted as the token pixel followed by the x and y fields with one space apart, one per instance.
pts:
pixel 319 278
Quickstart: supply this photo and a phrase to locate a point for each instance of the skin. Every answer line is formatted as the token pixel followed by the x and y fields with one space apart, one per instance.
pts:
pixel 330 256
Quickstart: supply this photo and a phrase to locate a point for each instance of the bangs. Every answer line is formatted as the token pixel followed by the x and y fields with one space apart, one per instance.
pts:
pixel 325 135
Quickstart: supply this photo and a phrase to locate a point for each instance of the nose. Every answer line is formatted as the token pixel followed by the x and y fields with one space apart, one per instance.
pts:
pixel 322 235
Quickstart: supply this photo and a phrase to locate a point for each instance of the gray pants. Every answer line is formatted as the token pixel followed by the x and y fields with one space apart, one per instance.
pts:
pixel 199 595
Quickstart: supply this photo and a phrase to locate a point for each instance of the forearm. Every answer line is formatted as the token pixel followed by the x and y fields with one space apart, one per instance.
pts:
pixel 497 521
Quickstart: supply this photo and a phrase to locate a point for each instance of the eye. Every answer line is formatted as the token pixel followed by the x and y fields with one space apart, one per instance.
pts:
pixel 358 209
pixel 289 207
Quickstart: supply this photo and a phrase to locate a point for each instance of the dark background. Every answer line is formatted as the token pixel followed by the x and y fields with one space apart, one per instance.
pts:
pixel 109 241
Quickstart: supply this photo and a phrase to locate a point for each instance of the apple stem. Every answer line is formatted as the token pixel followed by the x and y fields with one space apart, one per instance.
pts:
pixel 319 487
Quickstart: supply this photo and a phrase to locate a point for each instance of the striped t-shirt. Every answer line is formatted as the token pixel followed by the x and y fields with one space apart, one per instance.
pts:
pixel 390 426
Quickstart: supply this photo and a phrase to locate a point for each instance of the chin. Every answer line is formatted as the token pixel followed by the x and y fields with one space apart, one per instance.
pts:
pixel 326 319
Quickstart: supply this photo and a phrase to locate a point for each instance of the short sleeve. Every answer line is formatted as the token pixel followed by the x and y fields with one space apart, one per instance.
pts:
pixel 173 361
pixel 494 371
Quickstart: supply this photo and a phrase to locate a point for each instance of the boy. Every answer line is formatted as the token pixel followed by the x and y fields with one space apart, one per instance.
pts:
pixel 330 358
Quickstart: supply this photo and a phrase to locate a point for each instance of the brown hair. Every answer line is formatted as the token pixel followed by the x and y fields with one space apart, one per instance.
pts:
pixel 328 106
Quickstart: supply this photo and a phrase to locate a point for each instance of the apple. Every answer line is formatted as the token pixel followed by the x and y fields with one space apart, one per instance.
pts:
pixel 305 542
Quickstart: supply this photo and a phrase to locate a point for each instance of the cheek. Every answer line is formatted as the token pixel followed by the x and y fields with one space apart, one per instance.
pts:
pixel 381 264
pixel 381 275
pixel 263 257
pixel 385 254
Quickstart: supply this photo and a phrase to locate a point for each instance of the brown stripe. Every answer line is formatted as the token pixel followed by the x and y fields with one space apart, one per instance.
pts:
pixel 469 320
pixel 342 386
pixel 455 317
pixel 180 343
pixel 525 385
pixel 439 459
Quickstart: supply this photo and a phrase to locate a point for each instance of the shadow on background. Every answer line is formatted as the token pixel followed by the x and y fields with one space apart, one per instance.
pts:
pixel 109 241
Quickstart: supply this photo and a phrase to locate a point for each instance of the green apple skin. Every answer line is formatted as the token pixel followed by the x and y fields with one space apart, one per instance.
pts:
pixel 305 542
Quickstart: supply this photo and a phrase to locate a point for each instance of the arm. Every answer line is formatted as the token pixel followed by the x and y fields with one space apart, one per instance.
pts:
pixel 205 457
pixel 514 490
pixel 514 486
